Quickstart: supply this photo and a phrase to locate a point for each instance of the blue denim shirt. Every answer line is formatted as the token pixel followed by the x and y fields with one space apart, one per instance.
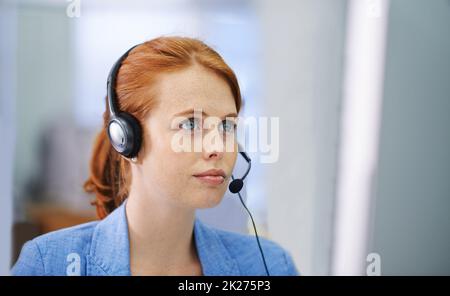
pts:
pixel 102 248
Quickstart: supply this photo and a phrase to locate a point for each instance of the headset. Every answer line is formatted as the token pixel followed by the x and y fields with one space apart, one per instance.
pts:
pixel 125 134
pixel 124 130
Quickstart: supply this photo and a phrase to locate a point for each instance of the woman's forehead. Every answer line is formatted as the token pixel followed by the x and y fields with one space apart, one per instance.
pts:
pixel 195 89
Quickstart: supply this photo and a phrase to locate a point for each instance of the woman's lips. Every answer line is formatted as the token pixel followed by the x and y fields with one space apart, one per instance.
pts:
pixel 212 180
pixel 212 176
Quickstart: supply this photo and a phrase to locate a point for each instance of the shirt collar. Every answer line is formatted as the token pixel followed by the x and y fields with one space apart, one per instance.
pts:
pixel 110 252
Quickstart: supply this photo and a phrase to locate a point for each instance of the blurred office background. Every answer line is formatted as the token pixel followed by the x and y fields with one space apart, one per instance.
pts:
pixel 361 89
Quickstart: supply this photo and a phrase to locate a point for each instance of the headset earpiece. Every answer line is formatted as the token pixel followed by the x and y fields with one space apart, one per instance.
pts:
pixel 124 133
pixel 124 130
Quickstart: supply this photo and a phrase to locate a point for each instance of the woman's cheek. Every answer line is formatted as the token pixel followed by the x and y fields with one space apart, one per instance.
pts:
pixel 175 172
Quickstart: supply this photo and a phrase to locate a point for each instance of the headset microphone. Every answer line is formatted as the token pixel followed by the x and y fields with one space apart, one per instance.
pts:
pixel 237 184
pixel 235 187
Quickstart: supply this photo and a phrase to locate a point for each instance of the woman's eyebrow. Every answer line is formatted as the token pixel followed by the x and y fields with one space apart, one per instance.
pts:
pixel 196 111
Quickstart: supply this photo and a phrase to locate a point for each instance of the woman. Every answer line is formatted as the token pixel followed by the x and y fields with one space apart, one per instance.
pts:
pixel 147 193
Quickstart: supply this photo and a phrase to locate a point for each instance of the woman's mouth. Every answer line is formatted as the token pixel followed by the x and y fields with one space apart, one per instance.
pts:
pixel 212 177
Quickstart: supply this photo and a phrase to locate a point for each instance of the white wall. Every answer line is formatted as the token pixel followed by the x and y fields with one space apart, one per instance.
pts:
pixel 43 85
pixel 303 49
pixel 362 96
pixel 412 221
pixel 8 19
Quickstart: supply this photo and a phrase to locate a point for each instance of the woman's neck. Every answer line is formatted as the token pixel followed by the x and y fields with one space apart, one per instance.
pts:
pixel 161 237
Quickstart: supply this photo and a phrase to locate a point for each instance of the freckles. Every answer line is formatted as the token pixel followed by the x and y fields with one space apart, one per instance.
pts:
pixel 231 157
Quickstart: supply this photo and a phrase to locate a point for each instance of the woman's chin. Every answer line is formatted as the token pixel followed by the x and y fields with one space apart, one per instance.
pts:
pixel 208 201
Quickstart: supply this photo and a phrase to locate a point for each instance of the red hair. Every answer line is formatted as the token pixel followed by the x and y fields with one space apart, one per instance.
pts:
pixel 110 174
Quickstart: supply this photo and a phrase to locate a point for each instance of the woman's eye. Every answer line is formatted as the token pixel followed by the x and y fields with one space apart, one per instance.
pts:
pixel 227 126
pixel 190 124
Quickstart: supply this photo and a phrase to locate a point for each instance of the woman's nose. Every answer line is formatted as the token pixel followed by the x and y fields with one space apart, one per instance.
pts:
pixel 213 145
pixel 215 154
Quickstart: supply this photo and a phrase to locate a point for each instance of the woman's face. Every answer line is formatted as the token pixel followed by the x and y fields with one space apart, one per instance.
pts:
pixel 180 142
